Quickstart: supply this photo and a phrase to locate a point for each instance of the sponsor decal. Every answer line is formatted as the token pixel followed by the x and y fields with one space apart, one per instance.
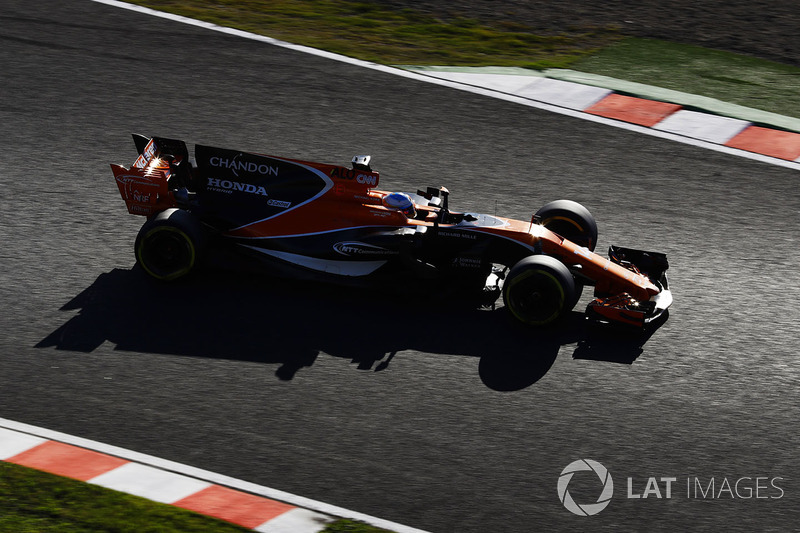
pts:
pixel 146 154
pixel 466 262
pixel 352 174
pixel 237 165
pixel 279 203
pixel 367 199
pixel 457 234
pixel 141 198
pixel 138 189
pixel 228 187
pixel 367 179
pixel 128 179
pixel 355 248
pixel 141 210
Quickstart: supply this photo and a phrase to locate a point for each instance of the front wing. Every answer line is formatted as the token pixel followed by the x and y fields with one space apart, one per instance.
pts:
pixel 625 309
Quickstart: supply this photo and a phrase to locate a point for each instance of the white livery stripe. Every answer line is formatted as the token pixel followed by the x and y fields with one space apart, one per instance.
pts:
pixel 342 229
pixel 342 268
pixel 326 179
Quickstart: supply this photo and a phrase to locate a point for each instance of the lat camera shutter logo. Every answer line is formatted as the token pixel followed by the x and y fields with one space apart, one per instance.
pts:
pixel 586 509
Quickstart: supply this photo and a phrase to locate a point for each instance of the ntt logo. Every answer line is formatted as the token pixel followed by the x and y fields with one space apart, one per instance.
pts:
pixel 586 509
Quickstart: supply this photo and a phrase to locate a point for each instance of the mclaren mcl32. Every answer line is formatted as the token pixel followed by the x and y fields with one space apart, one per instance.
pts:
pixel 334 223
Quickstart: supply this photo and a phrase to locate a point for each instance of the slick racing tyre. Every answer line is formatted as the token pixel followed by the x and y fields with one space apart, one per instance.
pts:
pixel 539 290
pixel 570 220
pixel 170 244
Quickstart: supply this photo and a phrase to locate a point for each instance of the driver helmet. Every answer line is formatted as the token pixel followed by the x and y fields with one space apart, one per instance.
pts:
pixel 401 202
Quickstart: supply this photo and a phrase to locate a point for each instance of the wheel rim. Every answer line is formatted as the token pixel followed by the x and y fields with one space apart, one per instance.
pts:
pixel 535 297
pixel 166 253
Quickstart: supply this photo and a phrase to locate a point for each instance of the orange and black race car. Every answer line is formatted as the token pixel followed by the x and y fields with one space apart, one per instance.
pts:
pixel 333 223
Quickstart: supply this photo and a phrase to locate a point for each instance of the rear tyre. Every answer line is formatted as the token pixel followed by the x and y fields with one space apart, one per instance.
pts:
pixel 539 290
pixel 570 220
pixel 169 245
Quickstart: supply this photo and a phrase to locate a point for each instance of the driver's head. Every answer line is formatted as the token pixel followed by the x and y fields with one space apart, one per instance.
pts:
pixel 401 202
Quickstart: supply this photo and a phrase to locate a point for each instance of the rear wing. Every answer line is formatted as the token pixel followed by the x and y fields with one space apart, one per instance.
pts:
pixel 145 185
pixel 148 147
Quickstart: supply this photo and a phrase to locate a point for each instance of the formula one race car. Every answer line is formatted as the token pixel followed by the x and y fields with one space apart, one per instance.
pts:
pixel 332 222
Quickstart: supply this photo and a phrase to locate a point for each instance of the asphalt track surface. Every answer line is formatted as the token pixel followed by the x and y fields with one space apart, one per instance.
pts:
pixel 470 423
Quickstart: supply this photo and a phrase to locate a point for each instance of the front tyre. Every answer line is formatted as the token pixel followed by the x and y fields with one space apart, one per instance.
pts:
pixel 539 290
pixel 170 244
pixel 570 220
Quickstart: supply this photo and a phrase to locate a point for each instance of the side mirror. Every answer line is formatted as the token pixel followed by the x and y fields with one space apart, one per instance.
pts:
pixel 361 162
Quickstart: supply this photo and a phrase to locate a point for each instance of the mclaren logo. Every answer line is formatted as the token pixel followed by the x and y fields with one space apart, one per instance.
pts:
pixel 361 249
pixel 227 187
pixel 237 165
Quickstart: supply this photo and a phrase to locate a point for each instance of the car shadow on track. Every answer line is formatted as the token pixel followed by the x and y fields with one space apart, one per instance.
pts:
pixel 244 317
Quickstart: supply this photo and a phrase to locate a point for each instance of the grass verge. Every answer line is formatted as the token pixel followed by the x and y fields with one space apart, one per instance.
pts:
pixel 37 502
pixel 733 78
pixel 34 501
pixel 373 32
